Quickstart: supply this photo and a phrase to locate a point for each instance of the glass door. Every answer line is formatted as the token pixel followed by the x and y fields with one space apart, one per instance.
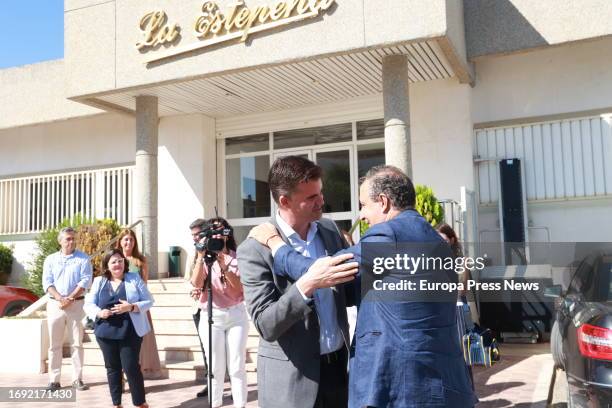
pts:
pixel 339 186
pixel 345 151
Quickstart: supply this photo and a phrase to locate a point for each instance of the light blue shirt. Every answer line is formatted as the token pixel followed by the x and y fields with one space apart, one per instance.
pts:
pixel 330 335
pixel 66 272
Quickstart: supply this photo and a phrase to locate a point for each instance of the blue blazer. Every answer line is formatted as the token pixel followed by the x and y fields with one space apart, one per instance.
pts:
pixel 404 354
pixel 137 294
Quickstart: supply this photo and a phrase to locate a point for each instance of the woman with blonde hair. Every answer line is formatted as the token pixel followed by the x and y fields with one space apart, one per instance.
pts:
pixel 149 357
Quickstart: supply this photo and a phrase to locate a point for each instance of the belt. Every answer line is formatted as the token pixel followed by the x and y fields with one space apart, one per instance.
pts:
pixel 332 357
pixel 76 298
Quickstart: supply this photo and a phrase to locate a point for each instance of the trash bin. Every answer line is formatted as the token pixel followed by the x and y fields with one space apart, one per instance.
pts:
pixel 174 261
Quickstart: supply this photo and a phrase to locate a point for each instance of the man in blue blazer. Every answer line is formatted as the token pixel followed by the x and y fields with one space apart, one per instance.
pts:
pixel 405 353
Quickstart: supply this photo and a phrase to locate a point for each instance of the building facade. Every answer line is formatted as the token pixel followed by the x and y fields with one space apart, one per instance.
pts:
pixel 165 110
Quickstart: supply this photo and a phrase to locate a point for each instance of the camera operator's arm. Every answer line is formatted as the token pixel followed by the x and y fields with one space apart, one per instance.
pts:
pixel 199 273
pixel 229 269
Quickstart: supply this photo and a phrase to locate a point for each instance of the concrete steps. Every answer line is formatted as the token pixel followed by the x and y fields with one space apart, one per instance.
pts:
pixel 177 341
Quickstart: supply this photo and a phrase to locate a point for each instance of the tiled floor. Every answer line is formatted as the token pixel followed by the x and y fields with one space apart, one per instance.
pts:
pixel 521 380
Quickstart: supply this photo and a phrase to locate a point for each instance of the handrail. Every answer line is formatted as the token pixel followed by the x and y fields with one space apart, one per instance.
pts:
pixel 40 303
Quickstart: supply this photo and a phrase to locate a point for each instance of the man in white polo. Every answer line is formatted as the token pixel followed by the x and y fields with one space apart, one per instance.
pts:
pixel 66 276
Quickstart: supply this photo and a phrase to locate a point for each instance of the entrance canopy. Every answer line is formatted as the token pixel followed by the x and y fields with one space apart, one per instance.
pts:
pixel 228 57
pixel 284 86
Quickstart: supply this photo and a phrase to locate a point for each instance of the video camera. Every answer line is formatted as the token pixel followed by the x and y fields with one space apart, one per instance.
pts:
pixel 210 243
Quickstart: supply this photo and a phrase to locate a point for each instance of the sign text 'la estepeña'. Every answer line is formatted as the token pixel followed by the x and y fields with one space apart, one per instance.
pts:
pixel 214 26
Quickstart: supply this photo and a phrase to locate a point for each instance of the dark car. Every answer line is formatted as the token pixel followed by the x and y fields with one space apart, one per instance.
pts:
pixel 581 337
pixel 13 300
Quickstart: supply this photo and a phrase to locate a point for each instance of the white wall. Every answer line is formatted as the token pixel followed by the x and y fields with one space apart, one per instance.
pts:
pixel 35 93
pixel 187 177
pixel 101 140
pixel 569 78
pixel 441 132
pixel 568 221
pixel 564 80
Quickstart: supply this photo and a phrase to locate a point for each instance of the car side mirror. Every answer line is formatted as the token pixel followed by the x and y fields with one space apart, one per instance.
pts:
pixel 554 291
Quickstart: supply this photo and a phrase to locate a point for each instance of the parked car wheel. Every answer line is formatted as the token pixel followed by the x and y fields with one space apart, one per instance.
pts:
pixel 14 308
pixel 556 347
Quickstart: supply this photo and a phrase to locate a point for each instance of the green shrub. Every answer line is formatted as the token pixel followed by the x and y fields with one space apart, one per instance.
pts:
pixel 428 206
pixel 6 263
pixel 363 227
pixel 91 235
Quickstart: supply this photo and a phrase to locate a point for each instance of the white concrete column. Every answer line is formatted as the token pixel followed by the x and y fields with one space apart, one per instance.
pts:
pixel 397 112
pixel 145 177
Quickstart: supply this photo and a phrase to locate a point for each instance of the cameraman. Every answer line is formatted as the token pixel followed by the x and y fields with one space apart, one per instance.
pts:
pixel 231 323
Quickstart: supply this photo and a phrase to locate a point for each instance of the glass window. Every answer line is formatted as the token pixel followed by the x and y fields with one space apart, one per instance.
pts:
pixel 313 136
pixel 370 129
pixel 368 156
pixel 336 180
pixel 248 194
pixel 241 233
pixel 247 144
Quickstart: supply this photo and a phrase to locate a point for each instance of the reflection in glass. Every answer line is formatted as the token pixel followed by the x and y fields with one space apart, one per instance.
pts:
pixel 336 180
pixel 369 156
pixel 370 129
pixel 247 144
pixel 248 194
pixel 313 136
pixel 241 233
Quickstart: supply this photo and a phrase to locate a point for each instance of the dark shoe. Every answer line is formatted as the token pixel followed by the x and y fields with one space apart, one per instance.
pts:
pixel 54 386
pixel 203 393
pixel 79 385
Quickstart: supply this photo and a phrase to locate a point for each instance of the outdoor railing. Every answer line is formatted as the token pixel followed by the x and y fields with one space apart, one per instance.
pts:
pixel 35 203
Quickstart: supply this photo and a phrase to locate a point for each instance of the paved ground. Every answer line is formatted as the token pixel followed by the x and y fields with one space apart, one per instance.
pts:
pixel 160 393
pixel 521 379
pixel 559 394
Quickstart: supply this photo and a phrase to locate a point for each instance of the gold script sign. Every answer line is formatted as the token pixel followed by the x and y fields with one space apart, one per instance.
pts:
pixel 243 19
pixel 156 31
pixel 214 26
